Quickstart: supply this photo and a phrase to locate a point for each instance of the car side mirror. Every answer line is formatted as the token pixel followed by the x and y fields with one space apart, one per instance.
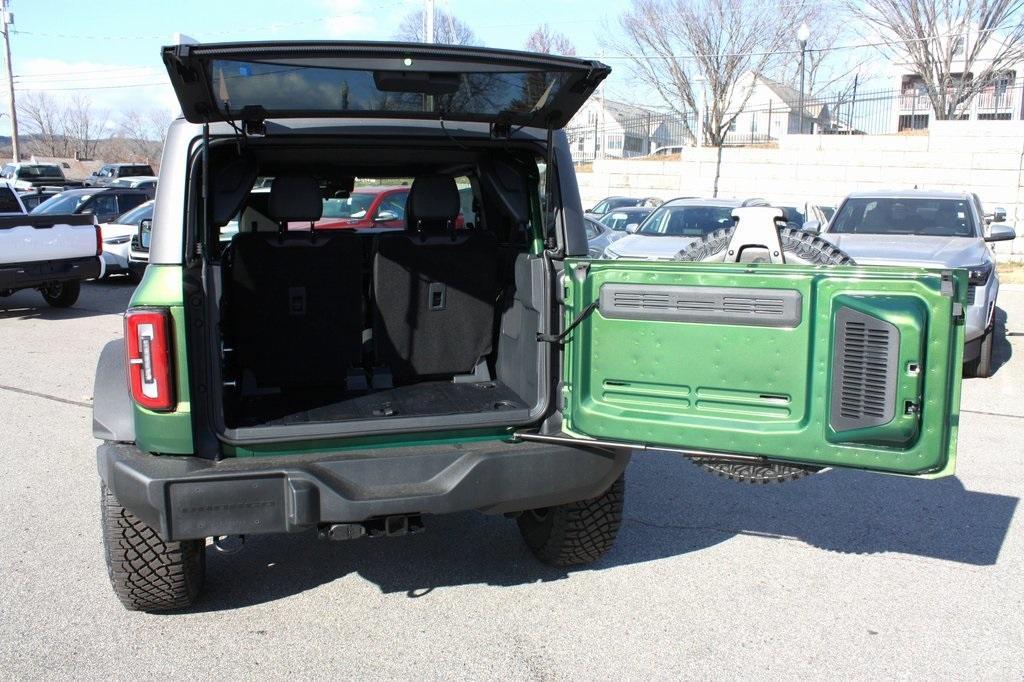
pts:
pixel 95 173
pixel 1001 233
pixel 812 226
pixel 999 215
pixel 632 228
pixel 145 232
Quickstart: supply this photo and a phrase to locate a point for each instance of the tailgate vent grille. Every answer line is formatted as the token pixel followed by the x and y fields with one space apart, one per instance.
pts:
pixel 864 368
pixel 696 304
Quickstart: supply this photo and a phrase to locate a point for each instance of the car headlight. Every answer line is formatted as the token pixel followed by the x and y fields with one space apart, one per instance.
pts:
pixel 977 275
pixel 118 240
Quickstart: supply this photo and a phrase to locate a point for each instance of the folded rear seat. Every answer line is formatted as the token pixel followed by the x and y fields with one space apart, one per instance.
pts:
pixel 295 298
pixel 434 288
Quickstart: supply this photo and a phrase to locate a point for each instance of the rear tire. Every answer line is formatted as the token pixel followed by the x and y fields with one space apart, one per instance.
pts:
pixel 578 532
pixel 981 367
pixel 146 572
pixel 62 294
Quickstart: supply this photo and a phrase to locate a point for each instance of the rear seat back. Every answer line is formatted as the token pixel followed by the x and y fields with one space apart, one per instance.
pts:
pixel 434 288
pixel 295 298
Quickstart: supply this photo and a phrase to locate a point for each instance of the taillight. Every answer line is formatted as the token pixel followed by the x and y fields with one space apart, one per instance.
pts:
pixel 147 340
pixel 99 240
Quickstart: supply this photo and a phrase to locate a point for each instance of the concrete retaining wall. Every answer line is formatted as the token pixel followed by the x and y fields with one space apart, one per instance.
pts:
pixel 985 157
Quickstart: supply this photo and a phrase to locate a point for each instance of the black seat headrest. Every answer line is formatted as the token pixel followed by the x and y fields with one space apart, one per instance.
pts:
pixel 433 203
pixel 295 197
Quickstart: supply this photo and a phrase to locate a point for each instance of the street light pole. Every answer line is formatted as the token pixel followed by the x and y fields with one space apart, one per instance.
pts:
pixel 802 34
pixel 8 19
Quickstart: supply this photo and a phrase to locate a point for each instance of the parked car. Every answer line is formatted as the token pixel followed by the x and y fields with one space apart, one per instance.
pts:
pixel 621 220
pixel 138 182
pixel 598 236
pixel 357 384
pixel 366 207
pixel 50 253
pixel 23 176
pixel 610 203
pixel 33 197
pixel 110 172
pixel 117 238
pixel 923 228
pixel 105 204
pixel 675 225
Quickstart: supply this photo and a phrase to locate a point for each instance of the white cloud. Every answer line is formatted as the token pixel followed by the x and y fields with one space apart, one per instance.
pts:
pixel 351 19
pixel 110 88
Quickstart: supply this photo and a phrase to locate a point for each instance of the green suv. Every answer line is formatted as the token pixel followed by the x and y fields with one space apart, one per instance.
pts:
pixel 276 377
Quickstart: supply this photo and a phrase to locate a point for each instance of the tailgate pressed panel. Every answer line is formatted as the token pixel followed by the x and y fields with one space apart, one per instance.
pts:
pixel 856 367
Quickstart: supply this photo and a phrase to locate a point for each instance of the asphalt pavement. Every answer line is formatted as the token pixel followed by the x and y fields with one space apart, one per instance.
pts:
pixel 840 575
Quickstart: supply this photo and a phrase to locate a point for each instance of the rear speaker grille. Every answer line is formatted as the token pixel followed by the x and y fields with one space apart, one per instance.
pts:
pixel 864 371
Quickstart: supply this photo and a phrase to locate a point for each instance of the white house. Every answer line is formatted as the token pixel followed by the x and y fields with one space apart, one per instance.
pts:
pixel 611 129
pixel 1000 100
pixel 772 111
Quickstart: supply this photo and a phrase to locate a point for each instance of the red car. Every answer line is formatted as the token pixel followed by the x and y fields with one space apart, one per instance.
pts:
pixel 366 207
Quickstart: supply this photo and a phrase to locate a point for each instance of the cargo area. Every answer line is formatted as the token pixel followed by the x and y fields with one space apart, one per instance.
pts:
pixel 401 291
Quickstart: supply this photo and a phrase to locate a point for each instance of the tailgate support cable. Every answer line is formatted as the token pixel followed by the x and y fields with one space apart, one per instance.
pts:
pixel 560 337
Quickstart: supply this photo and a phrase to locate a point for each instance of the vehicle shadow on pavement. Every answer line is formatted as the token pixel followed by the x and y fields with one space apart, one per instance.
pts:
pixel 672 508
pixel 1002 351
pixel 102 297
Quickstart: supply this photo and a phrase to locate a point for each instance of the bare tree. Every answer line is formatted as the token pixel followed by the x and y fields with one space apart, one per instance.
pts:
pixel 827 71
pixel 143 133
pixel 957 47
pixel 675 45
pixel 543 39
pixel 44 125
pixel 448 29
pixel 84 125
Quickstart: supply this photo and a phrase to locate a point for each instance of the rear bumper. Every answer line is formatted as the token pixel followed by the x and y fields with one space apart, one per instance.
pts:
pixel 28 275
pixel 187 497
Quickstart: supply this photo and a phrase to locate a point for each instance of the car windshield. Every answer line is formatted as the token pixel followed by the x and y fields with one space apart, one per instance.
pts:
pixel 686 221
pixel 136 215
pixel 39 172
pixel 618 220
pixel 904 216
pixel 61 203
pixel 354 206
pixel 613 203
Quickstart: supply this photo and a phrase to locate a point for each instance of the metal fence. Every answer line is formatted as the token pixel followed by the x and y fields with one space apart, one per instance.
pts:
pixel 765 123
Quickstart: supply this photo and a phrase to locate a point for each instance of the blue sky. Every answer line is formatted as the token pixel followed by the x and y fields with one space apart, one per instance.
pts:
pixel 109 50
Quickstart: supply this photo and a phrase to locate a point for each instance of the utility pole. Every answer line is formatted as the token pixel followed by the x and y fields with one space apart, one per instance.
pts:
pixel 428 19
pixel 8 20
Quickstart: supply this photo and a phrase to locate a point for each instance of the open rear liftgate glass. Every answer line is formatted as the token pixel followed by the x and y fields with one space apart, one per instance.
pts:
pixel 856 367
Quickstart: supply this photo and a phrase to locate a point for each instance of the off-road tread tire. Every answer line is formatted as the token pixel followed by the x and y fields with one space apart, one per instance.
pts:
pixel 148 573
pixel 578 532
pixel 809 248
pixel 69 293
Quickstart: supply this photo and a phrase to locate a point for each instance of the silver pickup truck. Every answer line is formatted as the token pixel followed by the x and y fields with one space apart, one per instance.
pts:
pixel 929 229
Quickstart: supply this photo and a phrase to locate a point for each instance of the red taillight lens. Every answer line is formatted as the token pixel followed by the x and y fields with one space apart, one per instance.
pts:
pixel 99 241
pixel 147 342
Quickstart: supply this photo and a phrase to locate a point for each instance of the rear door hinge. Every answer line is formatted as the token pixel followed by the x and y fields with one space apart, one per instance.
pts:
pixel 958 313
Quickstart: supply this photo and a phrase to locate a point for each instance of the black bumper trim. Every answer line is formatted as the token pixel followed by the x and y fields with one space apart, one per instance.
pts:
pixel 188 497
pixel 28 275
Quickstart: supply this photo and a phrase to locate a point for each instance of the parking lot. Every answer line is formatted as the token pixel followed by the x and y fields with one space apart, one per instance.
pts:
pixel 855 574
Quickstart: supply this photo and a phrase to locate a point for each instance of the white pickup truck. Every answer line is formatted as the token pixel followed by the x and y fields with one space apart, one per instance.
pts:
pixel 51 253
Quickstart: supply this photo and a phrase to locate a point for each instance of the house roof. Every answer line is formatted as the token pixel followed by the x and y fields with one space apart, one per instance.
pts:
pixel 791 96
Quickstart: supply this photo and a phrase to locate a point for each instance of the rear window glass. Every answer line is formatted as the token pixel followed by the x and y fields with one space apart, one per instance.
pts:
pixel 39 171
pixel 9 202
pixel 281 87
pixel 687 221
pixel 904 216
